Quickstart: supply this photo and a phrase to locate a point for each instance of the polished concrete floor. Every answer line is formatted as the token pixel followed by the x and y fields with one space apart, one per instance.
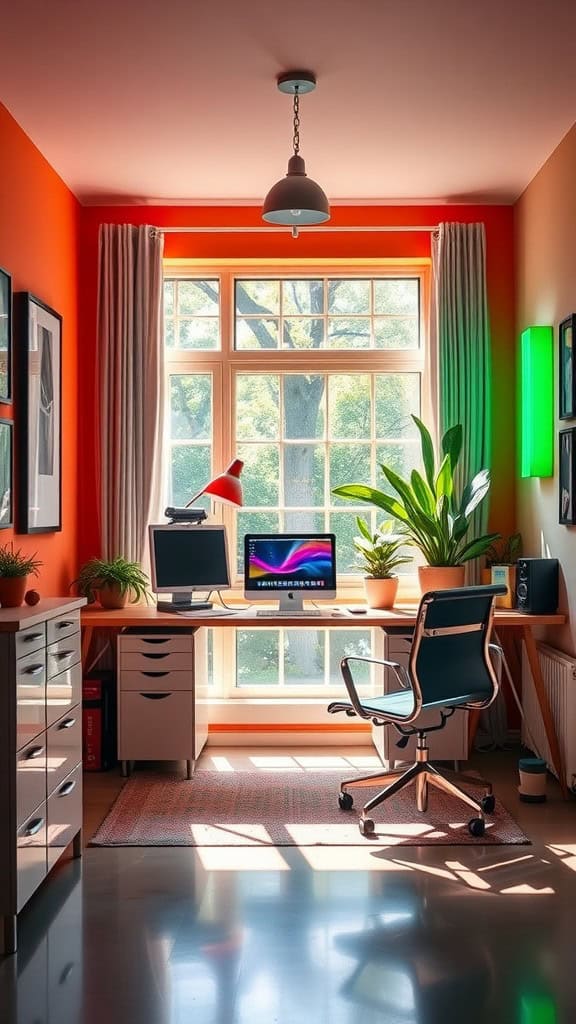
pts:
pixel 417 935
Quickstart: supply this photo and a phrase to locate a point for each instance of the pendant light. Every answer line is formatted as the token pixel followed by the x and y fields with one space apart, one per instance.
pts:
pixel 296 200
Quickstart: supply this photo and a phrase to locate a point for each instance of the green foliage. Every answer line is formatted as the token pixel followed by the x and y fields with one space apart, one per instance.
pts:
pixel 432 516
pixel 14 563
pixel 505 550
pixel 127 576
pixel 379 551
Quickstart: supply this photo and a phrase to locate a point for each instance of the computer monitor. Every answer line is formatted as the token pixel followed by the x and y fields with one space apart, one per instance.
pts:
pixel 290 567
pixel 186 558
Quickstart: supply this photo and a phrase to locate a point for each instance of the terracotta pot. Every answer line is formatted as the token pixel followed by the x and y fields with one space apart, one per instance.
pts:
pixel 380 593
pixel 440 577
pixel 111 597
pixel 12 590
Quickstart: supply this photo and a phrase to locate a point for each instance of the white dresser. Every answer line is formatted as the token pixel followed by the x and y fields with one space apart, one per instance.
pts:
pixel 40 748
pixel 162 695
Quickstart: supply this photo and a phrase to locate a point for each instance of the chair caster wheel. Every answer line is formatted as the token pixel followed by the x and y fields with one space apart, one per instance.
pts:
pixel 345 801
pixel 476 827
pixel 488 803
pixel 366 826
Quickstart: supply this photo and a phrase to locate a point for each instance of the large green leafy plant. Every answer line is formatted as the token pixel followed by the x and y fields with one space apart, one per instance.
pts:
pixel 432 516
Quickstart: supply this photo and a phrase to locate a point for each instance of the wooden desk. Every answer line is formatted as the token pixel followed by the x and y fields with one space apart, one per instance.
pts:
pixel 402 615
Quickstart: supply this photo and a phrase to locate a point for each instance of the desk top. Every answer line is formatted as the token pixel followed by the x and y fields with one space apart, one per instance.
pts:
pixel 401 615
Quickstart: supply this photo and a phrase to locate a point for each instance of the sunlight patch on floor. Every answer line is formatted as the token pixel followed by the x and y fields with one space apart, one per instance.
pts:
pixel 242 858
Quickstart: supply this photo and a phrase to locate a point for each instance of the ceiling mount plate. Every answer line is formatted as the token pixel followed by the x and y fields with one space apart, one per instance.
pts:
pixel 305 81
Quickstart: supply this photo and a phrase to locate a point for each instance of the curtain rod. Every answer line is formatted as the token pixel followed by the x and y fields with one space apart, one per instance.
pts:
pixel 287 227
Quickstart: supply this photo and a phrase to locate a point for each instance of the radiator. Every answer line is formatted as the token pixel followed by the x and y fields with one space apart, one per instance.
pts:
pixel 559 674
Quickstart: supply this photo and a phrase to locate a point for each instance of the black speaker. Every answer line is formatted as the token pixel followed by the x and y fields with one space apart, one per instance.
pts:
pixel 537 585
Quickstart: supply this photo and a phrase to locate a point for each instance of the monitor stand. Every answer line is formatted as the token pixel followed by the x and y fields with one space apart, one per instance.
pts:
pixel 183 603
pixel 291 601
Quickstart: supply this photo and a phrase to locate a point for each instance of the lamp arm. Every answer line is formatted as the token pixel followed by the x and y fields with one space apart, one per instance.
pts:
pixel 195 498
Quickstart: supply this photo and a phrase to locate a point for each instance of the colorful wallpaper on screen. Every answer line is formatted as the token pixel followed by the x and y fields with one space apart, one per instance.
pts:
pixel 298 559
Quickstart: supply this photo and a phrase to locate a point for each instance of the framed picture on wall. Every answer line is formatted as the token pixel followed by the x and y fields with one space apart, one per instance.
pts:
pixel 6 449
pixel 567 477
pixel 5 336
pixel 39 416
pixel 567 388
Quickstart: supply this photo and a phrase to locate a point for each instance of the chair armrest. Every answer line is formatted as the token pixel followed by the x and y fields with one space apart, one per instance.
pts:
pixel 399 670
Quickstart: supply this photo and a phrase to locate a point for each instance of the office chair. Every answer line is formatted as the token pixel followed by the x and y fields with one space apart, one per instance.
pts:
pixel 450 668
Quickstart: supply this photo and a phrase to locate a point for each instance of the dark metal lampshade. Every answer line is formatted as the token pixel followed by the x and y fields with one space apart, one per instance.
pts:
pixel 296 199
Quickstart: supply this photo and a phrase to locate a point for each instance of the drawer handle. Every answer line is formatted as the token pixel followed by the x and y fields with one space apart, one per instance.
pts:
pixel 33 827
pixel 67 787
pixel 155 675
pixel 155 696
pixel 60 655
pixel 156 657
pixel 32 636
pixel 65 624
pixel 34 752
pixel 34 670
pixel 67 723
pixel 156 640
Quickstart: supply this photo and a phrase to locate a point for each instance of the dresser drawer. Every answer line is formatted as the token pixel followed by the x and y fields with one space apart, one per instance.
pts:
pixel 156 726
pixel 63 692
pixel 33 638
pixel 64 747
pixel 156 679
pixel 31 859
pixel 157 661
pixel 30 697
pixel 62 654
pixel 62 626
pixel 171 643
pixel 64 814
pixel 30 777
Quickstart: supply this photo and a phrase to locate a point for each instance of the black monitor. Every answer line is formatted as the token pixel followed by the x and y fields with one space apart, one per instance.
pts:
pixel 289 567
pixel 186 558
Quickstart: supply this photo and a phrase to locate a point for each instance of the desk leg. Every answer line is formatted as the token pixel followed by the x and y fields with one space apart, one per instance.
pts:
pixel 556 753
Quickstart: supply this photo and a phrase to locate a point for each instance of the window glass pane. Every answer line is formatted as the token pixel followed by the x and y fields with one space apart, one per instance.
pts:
pixel 302 297
pixel 396 295
pixel 304 657
pixel 257 297
pixel 304 405
pixel 257 333
pixel 349 643
pixel 169 333
pixel 303 332
pixel 260 476
pixel 200 333
pixel 303 475
pixel 257 657
pixel 190 405
pixel 257 406
pixel 349 405
pixel 168 298
pixel 296 521
pixel 190 470
pixel 397 397
pixel 200 298
pixel 348 296
pixel 343 524
pixel 396 332
pixel 349 464
pixel 348 332
pixel 253 522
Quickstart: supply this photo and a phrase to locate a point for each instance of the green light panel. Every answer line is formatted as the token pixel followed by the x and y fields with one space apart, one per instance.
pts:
pixel 537 402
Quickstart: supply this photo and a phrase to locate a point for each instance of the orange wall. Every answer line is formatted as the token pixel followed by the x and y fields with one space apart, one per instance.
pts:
pixel 39 221
pixel 500 267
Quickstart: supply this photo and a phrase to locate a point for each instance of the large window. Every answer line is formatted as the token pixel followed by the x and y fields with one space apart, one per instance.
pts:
pixel 310 377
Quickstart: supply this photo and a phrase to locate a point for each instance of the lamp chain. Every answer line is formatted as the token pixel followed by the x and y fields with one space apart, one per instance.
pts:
pixel 296 137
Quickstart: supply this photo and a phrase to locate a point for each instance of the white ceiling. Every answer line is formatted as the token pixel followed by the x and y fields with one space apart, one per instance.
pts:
pixel 135 101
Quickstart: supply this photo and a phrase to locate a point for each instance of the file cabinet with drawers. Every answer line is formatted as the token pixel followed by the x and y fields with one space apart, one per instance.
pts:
pixel 162 695
pixel 40 748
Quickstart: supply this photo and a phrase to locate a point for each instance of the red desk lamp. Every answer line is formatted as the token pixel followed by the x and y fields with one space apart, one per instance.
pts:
pixel 225 488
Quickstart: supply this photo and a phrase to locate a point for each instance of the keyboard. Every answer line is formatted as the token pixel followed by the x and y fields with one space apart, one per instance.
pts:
pixel 274 613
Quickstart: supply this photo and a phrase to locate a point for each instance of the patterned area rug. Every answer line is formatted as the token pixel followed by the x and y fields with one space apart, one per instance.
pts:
pixel 281 809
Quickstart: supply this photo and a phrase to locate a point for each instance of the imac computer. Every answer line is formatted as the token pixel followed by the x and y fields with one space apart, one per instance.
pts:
pixel 289 567
pixel 186 558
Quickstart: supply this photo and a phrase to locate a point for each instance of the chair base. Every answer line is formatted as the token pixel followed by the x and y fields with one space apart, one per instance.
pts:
pixel 423 774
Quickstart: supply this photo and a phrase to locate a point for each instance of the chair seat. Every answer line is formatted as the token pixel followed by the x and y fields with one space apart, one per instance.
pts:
pixel 401 702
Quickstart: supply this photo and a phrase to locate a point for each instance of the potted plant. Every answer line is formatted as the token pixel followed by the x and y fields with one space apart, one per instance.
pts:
pixel 501 558
pixel 112 582
pixel 380 556
pixel 433 517
pixel 15 568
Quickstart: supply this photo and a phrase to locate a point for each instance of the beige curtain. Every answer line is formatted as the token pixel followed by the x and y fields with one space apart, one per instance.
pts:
pixel 130 354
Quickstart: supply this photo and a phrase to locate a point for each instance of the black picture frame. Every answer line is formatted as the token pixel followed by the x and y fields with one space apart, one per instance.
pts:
pixel 39 350
pixel 5 337
pixel 567 370
pixel 6 473
pixel 567 476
